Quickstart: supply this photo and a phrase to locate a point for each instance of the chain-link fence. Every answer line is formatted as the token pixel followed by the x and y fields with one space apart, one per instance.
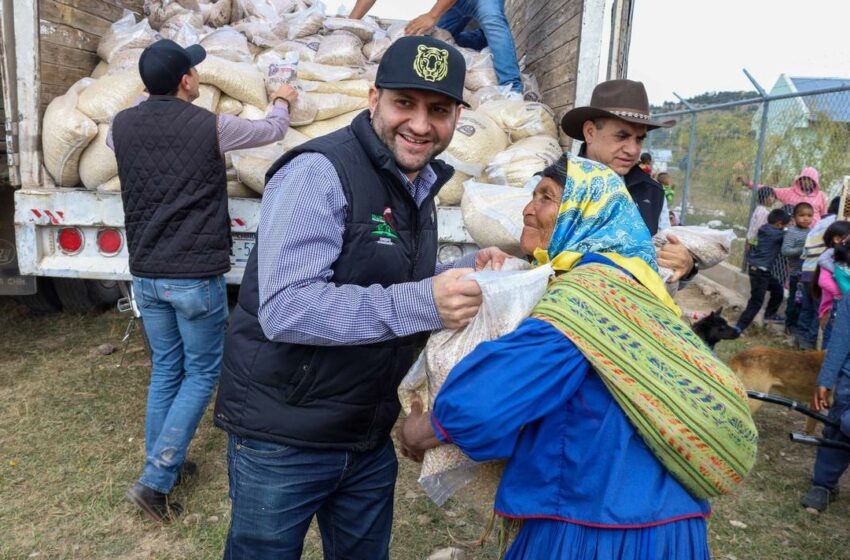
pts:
pixel 714 154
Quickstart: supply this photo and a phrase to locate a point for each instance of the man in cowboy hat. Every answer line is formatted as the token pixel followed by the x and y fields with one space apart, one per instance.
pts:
pixel 612 129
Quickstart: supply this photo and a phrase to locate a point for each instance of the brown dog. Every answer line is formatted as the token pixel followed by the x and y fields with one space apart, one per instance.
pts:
pixel 788 373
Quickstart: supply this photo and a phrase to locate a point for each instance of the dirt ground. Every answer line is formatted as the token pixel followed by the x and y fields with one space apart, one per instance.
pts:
pixel 71 443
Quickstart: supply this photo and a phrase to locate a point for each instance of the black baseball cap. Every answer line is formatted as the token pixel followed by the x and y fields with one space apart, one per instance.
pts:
pixel 164 63
pixel 423 62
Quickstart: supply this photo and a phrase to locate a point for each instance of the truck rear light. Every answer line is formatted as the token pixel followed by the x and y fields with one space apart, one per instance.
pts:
pixel 109 241
pixel 70 240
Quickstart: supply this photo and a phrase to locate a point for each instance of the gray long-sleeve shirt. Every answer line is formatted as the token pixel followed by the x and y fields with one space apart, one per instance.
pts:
pixel 792 247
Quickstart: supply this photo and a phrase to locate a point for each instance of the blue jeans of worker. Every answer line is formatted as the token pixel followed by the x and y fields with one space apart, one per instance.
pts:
pixel 493 31
pixel 184 320
pixel 830 464
pixel 276 490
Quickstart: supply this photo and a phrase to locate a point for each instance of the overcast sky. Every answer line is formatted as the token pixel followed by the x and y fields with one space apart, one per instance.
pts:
pixel 692 47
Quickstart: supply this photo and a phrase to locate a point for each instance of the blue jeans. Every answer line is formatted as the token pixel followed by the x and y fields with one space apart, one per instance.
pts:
pixel 276 490
pixel 807 322
pixel 493 31
pixel 830 464
pixel 185 321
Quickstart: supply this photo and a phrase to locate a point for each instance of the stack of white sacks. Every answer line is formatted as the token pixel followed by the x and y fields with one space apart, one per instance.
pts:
pixel 255 45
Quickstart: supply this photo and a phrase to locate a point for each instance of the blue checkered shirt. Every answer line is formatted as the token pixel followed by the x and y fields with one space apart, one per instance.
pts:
pixel 300 236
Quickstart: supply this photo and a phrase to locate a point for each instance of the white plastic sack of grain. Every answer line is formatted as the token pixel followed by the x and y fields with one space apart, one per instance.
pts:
pixel 227 43
pixel 396 30
pixel 334 104
pixel 354 88
pixel 258 32
pixel 184 35
pixel 112 185
pixel 252 113
pixel 260 9
pixel 238 80
pixel 125 59
pixel 161 11
pixel 304 110
pixel 479 69
pixel 98 164
pixel 476 140
pixel 208 97
pixel 442 35
pixel 341 48
pixel 251 165
pixel 283 7
pixel 452 191
pixel 305 47
pixel 110 94
pixel 364 29
pixel 101 69
pixel 320 128
pixel 228 105
pixel 374 50
pixel 490 93
pixel 508 297
pixel 291 139
pixel 282 71
pixel 219 14
pixel 492 214
pixel 709 246
pixel 65 134
pixel 182 24
pixel 323 72
pixel 306 22
pixel 520 161
pixel 521 119
pixel 125 34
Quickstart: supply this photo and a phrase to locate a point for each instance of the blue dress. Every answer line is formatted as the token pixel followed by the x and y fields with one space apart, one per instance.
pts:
pixel 578 473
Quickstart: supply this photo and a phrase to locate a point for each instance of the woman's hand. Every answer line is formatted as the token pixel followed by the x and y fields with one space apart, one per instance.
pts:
pixel 416 434
pixel 493 256
pixel 820 400
pixel 676 257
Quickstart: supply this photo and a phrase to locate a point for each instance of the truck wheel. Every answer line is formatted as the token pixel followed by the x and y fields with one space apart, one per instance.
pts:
pixel 76 297
pixel 104 293
pixel 45 300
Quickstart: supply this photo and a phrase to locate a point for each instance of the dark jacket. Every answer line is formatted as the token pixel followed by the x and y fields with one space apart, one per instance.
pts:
pixel 174 189
pixel 767 247
pixel 335 397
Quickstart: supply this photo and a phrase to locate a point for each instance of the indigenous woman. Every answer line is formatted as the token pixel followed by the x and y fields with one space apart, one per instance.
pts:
pixel 616 420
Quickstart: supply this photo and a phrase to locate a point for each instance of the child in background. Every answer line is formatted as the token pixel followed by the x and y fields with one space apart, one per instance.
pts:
pixel 824 287
pixel 841 272
pixel 834 375
pixel 792 248
pixel 760 262
pixel 766 199
pixel 668 186
pixel 646 163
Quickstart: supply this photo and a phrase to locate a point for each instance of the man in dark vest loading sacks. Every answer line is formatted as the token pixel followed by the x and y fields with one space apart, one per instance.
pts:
pixel 174 190
pixel 612 129
pixel 340 291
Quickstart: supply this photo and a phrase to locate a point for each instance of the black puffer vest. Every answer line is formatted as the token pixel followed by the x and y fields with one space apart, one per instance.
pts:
pixel 335 397
pixel 174 188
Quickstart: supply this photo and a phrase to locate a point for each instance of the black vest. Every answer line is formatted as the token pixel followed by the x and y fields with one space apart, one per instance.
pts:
pixel 335 397
pixel 174 189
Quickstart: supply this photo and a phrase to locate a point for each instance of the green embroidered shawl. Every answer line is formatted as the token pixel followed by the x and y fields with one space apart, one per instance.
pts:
pixel 689 407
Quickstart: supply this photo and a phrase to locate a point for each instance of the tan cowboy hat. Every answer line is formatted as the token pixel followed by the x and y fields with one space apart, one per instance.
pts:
pixel 620 99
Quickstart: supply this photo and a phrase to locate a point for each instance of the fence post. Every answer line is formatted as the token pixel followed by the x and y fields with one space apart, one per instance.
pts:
pixel 691 156
pixel 759 156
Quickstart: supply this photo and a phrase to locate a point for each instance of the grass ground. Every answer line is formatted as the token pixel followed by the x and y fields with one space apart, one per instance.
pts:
pixel 71 443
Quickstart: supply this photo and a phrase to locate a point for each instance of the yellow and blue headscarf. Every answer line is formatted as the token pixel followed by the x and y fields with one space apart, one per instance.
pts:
pixel 597 215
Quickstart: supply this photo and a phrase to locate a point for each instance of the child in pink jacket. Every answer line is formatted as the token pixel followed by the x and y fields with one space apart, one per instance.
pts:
pixel 806 188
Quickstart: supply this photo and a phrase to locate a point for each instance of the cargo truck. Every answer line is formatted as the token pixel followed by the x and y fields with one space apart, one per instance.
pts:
pixel 64 248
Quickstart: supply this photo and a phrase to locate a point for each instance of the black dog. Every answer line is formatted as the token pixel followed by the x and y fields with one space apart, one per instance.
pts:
pixel 713 328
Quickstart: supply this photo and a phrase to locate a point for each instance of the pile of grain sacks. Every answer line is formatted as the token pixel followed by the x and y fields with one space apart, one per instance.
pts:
pixel 253 46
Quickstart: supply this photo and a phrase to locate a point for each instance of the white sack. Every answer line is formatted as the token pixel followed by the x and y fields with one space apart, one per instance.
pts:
pixel 98 164
pixel 110 94
pixel 65 134
pixel 238 80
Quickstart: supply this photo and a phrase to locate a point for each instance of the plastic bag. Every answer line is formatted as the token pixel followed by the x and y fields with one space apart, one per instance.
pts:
pixel 208 97
pixel 260 10
pixel 365 29
pixel 521 119
pixel 320 128
pixel 97 163
pixel 334 104
pixel 251 165
pixel 452 192
pixel 492 214
pixel 259 32
pixel 306 22
pixel 110 94
pixel 709 246
pixel 228 105
pixel 530 88
pixel 239 80
pixel 354 88
pixel 374 50
pixel 341 48
pixel 125 34
pixel 283 71
pixel 160 11
pixel 324 72
pixel 124 59
pixel 508 296
pixel 517 164
pixel 252 113
pixel 305 47
pixel 219 14
pixel 490 93
pixel 112 185
pixel 476 140
pixel 479 69
pixel 100 70
pixel 227 43
pixel 65 134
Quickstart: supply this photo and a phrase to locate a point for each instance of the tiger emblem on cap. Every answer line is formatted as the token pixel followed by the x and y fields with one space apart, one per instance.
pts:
pixel 431 64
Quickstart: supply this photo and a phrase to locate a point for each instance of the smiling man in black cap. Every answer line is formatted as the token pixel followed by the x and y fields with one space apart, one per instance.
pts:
pixel 174 190
pixel 612 129
pixel 339 293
